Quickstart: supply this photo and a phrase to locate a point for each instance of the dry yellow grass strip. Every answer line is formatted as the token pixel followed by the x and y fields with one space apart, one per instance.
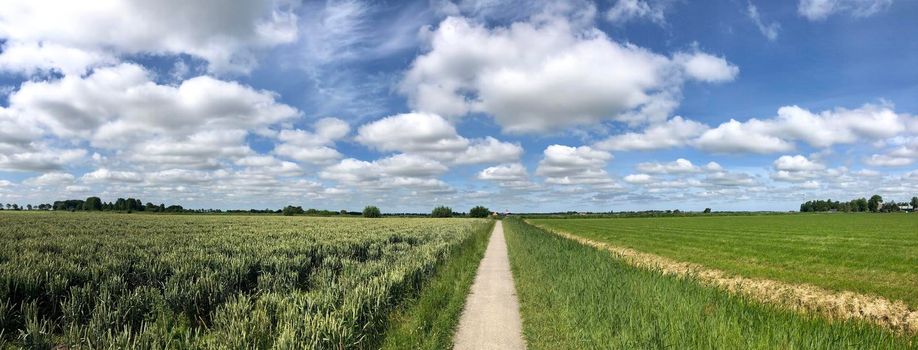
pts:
pixel 894 315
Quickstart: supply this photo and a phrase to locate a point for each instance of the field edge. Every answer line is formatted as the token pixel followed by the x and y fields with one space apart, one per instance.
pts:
pixel 801 298
pixel 429 319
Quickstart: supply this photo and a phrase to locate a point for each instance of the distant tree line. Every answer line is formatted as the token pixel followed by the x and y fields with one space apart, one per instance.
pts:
pixel 612 213
pixel 372 211
pixel 438 212
pixel 14 206
pixel 121 204
pixel 298 210
pixel 136 205
pixel 875 204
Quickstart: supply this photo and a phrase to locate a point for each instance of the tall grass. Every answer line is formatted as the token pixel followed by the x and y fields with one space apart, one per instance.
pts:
pixel 576 297
pixel 865 253
pixel 151 282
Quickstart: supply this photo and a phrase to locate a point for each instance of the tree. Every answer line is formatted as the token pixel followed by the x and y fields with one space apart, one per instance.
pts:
pixel 28 207
pixel 873 204
pixel 92 203
pixel 371 212
pixel 861 204
pixel 890 207
pixel 914 203
pixel 69 205
pixel 120 204
pixel 291 210
pixel 442 212
pixel 479 212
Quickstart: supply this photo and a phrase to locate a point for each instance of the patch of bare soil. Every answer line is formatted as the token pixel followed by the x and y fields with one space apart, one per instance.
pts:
pixel 894 315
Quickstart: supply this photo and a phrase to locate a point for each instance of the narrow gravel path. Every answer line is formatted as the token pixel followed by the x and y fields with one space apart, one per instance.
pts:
pixel 491 319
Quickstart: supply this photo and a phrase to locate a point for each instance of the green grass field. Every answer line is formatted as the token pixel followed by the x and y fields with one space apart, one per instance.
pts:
pixel 576 297
pixel 159 281
pixel 866 253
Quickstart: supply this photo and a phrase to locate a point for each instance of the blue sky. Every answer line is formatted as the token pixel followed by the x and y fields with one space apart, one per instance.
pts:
pixel 524 106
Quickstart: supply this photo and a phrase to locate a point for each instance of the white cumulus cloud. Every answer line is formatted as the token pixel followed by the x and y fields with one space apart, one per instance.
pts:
pixel 796 163
pixel 313 147
pixel 824 129
pixel 433 136
pixel 675 132
pixel 678 166
pixel 706 67
pixel 50 179
pixel 398 172
pixel 638 179
pixel 71 36
pixel 40 159
pixel 736 137
pixel 797 169
pixel 514 176
pixel 121 108
pixel 538 76
pixel 566 165
pixel 104 175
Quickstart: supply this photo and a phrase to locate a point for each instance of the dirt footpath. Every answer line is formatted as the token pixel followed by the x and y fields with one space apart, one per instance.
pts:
pixel 491 318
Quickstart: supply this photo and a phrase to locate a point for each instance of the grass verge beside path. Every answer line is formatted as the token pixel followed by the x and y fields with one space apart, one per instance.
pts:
pixel 429 320
pixel 577 297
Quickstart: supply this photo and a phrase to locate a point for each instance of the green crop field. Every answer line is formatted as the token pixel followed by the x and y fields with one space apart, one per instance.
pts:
pixel 574 296
pixel 149 281
pixel 872 254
